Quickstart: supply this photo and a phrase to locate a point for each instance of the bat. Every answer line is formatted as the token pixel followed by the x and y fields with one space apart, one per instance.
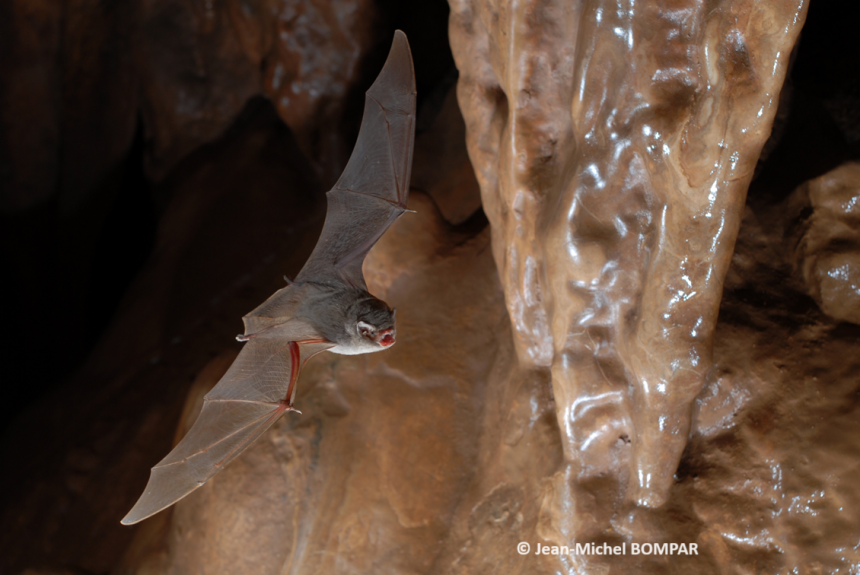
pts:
pixel 326 307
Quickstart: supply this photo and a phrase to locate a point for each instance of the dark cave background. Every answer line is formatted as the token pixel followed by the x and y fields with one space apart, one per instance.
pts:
pixel 77 229
pixel 67 269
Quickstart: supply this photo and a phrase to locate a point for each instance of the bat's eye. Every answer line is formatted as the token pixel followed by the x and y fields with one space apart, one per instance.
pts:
pixel 366 330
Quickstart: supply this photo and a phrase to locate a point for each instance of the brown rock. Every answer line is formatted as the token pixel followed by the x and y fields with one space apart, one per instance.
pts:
pixel 510 411
pixel 340 485
pixel 614 145
pixel 828 251
pixel 250 193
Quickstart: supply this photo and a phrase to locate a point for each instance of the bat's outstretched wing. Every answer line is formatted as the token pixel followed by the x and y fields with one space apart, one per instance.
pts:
pixel 257 389
pixel 261 384
pixel 371 194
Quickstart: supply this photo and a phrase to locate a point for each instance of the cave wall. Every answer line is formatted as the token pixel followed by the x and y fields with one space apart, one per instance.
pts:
pixel 651 336
pixel 614 144
pixel 99 103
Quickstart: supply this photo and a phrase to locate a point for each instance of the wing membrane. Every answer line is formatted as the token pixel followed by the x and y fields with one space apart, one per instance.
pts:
pixel 373 190
pixel 273 312
pixel 245 403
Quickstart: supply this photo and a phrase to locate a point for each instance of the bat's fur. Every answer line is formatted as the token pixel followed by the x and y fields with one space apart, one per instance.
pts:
pixel 337 312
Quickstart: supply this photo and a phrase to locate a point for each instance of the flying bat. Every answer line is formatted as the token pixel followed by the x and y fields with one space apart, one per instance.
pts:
pixel 326 307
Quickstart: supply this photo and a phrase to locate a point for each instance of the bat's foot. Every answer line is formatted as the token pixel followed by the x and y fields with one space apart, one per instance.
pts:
pixel 288 407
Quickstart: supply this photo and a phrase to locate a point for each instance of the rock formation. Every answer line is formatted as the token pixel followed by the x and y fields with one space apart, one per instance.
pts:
pixel 625 348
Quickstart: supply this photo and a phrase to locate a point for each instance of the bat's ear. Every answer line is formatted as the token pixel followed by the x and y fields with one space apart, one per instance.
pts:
pixel 393 313
pixel 366 330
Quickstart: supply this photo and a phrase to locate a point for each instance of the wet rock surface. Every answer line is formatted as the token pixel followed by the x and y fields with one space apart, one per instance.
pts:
pixel 827 240
pixel 614 153
pixel 627 310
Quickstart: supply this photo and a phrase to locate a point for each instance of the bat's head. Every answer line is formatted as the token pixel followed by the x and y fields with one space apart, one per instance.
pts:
pixel 368 325
pixel 372 326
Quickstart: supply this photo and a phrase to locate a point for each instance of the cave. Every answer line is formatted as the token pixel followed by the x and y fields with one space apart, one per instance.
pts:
pixel 627 296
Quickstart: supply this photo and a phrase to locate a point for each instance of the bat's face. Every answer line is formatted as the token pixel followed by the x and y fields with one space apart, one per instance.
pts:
pixel 370 327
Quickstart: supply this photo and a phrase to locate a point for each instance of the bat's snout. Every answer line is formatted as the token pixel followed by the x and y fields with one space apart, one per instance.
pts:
pixel 385 338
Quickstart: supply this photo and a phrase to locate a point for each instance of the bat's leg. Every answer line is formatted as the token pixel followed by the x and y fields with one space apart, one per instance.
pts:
pixel 295 368
pixel 296 363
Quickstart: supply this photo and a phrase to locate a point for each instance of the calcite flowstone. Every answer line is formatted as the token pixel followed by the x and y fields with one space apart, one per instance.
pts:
pixel 614 143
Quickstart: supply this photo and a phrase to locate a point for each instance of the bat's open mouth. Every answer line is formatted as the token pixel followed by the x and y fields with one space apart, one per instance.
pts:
pixel 386 338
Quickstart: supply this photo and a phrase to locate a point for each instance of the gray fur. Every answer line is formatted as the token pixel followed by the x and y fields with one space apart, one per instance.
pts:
pixel 335 312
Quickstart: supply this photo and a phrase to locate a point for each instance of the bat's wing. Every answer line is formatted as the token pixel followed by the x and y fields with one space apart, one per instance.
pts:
pixel 371 194
pixel 257 389
pixel 280 307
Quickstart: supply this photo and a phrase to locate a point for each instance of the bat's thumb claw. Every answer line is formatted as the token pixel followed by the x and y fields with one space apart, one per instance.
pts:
pixel 243 338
